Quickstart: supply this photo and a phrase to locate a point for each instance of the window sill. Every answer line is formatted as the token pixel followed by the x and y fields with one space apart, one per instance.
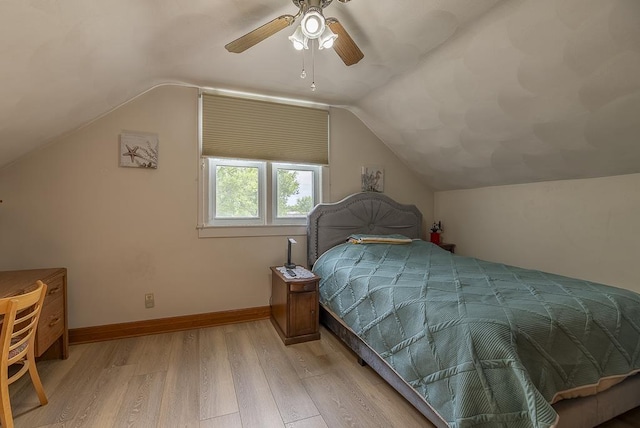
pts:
pixel 250 231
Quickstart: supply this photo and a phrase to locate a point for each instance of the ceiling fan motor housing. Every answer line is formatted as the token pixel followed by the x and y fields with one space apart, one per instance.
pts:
pixel 318 3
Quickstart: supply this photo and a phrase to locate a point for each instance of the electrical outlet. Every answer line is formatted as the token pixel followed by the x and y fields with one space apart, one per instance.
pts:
pixel 148 301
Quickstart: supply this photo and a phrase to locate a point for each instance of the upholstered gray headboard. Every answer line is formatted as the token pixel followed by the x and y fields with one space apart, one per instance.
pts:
pixel 369 213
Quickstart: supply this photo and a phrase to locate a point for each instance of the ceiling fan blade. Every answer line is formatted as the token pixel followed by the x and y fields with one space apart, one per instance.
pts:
pixel 344 45
pixel 254 37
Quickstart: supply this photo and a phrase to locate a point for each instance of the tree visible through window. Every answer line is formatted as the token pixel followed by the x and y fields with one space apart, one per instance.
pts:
pixel 295 192
pixel 237 192
pixel 250 192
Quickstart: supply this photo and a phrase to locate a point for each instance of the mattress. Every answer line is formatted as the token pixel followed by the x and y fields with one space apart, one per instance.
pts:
pixel 486 344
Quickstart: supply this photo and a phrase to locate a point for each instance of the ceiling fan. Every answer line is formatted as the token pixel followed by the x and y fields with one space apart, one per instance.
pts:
pixel 313 25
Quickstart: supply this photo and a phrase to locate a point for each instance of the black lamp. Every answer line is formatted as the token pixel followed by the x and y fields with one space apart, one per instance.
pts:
pixel 290 265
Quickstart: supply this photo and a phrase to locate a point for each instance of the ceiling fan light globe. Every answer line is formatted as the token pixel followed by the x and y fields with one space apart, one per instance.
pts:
pixel 328 44
pixel 299 40
pixel 327 38
pixel 313 23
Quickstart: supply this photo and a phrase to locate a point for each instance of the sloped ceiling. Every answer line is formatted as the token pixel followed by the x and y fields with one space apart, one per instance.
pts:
pixel 468 93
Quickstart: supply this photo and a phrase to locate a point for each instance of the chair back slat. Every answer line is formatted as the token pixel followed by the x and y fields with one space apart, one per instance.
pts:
pixel 27 329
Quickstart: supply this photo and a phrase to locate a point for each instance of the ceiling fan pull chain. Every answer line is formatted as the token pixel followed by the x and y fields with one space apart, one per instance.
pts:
pixel 313 66
pixel 303 74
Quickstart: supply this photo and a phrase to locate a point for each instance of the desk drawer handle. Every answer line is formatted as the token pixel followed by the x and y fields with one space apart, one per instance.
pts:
pixel 53 291
pixel 54 321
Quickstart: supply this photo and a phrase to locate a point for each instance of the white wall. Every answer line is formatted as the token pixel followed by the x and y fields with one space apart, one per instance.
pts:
pixel 122 232
pixel 354 146
pixel 588 229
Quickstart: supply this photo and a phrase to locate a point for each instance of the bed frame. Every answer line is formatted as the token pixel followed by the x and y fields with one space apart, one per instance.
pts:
pixel 374 213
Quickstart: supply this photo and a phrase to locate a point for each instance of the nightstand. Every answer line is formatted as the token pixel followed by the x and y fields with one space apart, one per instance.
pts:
pixel 294 307
pixel 449 247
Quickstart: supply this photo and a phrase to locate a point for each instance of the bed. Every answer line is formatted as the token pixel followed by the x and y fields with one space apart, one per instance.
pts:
pixel 472 367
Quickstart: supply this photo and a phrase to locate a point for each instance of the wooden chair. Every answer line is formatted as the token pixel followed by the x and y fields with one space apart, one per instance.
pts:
pixel 20 321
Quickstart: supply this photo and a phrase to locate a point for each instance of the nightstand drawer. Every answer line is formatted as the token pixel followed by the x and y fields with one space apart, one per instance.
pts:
pixel 303 286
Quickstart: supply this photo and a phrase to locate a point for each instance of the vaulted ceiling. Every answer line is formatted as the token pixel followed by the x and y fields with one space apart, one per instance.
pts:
pixel 469 93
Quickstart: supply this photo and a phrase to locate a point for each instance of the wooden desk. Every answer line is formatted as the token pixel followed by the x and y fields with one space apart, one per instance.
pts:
pixel 52 327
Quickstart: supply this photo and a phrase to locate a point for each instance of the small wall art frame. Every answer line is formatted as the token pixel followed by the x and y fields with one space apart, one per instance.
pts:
pixel 139 150
pixel 372 179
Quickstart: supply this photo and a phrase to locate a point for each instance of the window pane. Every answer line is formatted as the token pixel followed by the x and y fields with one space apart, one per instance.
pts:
pixel 236 192
pixel 295 192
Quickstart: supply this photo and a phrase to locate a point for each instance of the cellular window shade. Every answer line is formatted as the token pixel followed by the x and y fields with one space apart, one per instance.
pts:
pixel 251 129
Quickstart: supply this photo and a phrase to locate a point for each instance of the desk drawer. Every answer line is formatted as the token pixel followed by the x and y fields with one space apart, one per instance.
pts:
pixel 55 288
pixel 51 324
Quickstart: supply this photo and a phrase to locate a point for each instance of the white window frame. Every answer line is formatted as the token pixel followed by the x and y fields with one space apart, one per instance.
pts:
pixel 267 225
pixel 213 163
pixel 317 181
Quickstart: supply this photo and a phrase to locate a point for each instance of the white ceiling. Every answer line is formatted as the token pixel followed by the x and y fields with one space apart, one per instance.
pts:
pixel 468 93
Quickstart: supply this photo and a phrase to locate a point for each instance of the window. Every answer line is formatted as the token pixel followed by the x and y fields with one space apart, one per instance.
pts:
pixel 236 192
pixel 296 190
pixel 262 162
pixel 239 191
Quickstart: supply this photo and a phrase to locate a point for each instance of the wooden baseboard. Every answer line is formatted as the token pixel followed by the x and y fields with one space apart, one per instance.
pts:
pixel 165 325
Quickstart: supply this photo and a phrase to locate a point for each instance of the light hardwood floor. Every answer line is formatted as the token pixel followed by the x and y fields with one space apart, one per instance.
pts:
pixel 230 376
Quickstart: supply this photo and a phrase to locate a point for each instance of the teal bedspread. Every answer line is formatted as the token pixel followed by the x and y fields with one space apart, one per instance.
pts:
pixel 486 344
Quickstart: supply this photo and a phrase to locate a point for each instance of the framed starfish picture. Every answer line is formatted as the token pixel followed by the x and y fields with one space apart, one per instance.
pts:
pixel 139 150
